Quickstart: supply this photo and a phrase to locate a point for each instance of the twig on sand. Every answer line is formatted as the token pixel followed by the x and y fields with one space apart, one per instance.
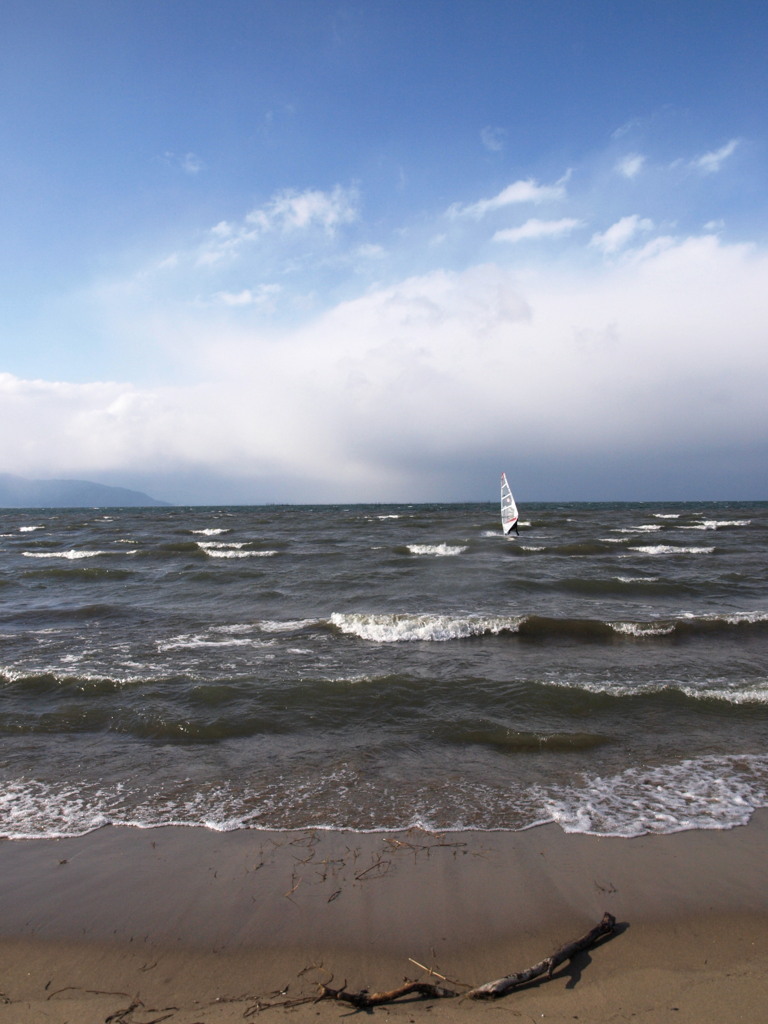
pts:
pixel 364 999
pixel 89 991
pixel 380 865
pixel 436 974
pixel 500 987
pixel 490 990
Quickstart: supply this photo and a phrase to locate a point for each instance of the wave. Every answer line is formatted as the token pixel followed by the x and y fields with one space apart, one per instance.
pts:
pixel 670 549
pixel 648 528
pixel 223 549
pixel 585 548
pixel 737 691
pixel 710 792
pixel 398 627
pixel 717 524
pixel 81 573
pixel 436 549
pixel 514 741
pixel 72 555
pixel 189 641
pixel 43 682
pixel 702 793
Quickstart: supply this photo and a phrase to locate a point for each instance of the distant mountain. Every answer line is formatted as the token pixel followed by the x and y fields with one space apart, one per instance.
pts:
pixel 17 492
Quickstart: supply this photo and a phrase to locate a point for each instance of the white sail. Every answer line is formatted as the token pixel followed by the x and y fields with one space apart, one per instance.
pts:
pixel 509 514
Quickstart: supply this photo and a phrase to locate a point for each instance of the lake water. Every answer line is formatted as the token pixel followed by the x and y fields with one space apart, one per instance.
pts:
pixel 377 667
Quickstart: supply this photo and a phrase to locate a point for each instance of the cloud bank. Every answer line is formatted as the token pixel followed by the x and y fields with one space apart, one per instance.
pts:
pixel 592 338
pixel 658 351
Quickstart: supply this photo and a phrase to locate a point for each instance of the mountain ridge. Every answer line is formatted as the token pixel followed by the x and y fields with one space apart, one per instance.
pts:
pixel 19 492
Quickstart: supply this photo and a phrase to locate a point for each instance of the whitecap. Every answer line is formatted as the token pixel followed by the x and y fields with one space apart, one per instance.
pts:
pixel 671 549
pixel 646 528
pixel 395 628
pixel 717 524
pixel 224 549
pixel 71 555
pixel 641 629
pixel 436 549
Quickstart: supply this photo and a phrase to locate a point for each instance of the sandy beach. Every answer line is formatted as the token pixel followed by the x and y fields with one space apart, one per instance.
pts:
pixel 197 927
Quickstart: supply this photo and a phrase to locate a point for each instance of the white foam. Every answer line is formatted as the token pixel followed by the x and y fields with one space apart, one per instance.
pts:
pixel 30 809
pixel 732 691
pixel 70 555
pixel 637 579
pixel 666 515
pixel 671 549
pixel 234 549
pixel 190 641
pixel 396 628
pixel 647 528
pixel 717 524
pixel 284 626
pixel 224 545
pixel 641 629
pixel 212 531
pixel 732 618
pixel 29 529
pixel 703 793
pixel 436 549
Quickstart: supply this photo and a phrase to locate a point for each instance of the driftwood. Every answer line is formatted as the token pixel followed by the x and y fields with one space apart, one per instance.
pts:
pixel 490 990
pixel 363 999
pixel 494 989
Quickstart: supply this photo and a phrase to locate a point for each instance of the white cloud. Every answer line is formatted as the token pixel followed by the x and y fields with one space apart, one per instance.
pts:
pixel 630 165
pixel 618 235
pixel 370 251
pixel 527 191
pixel 288 212
pixel 190 163
pixel 710 163
pixel 295 211
pixel 534 228
pixel 436 369
pixel 493 138
pixel 263 296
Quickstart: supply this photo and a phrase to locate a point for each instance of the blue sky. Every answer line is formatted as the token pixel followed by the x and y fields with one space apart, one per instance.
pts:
pixel 302 250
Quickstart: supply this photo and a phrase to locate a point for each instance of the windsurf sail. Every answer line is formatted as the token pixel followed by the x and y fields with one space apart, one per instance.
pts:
pixel 509 514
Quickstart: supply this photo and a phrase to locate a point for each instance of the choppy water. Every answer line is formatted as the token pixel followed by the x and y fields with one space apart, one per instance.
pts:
pixel 375 667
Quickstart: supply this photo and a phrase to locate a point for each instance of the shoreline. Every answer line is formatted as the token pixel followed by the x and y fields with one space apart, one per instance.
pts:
pixel 208 927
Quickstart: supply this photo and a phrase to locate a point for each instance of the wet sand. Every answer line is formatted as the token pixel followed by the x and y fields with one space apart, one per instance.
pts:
pixel 195 927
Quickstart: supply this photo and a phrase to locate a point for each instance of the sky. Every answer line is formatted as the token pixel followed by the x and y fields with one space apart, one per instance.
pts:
pixel 310 251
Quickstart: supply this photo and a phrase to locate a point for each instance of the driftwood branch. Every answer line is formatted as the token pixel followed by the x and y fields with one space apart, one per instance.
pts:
pixel 491 990
pixel 494 989
pixel 364 999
